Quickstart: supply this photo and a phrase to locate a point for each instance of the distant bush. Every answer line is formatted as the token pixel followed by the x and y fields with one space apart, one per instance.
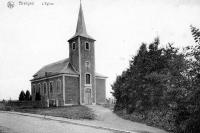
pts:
pixel 8 108
pixel 27 96
pixel 22 96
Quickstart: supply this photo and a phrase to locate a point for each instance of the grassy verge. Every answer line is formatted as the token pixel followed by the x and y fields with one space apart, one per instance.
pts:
pixel 70 112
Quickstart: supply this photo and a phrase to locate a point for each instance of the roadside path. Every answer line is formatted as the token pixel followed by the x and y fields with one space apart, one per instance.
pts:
pixel 106 122
pixel 106 118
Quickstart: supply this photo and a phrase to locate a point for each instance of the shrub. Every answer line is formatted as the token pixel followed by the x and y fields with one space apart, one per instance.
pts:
pixel 22 96
pixel 27 96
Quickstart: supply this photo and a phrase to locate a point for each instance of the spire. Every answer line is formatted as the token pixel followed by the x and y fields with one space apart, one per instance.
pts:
pixel 81 28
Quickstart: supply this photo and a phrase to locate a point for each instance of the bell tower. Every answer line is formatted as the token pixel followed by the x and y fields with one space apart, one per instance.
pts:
pixel 82 57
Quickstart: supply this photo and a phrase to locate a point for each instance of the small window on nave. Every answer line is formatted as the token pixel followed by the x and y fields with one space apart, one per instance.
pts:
pixel 58 85
pixel 45 87
pixel 39 87
pixel 51 86
pixel 33 89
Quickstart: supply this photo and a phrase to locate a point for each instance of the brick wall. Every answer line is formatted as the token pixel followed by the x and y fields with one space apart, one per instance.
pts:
pixel 87 55
pixel 57 94
pixel 72 95
pixel 100 91
pixel 74 54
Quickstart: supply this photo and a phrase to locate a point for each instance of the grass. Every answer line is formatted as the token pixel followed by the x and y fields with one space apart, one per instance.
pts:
pixel 70 112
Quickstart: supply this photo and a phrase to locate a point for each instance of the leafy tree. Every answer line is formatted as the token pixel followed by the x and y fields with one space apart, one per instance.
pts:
pixel 163 78
pixel 196 33
pixel 155 79
pixel 188 119
pixel 22 96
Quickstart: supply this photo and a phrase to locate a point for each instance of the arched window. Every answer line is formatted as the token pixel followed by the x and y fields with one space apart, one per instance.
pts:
pixel 39 87
pixel 58 85
pixel 45 87
pixel 51 86
pixel 88 78
pixel 33 89
pixel 87 45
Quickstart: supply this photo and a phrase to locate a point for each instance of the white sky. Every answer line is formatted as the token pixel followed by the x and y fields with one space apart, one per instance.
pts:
pixel 33 36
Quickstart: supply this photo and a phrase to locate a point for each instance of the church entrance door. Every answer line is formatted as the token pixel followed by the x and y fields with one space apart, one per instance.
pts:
pixel 88 96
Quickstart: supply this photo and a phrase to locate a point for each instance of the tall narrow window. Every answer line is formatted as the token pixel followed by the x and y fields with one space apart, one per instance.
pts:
pixel 87 76
pixel 87 46
pixel 51 87
pixel 45 87
pixel 73 45
pixel 39 88
pixel 33 89
pixel 58 85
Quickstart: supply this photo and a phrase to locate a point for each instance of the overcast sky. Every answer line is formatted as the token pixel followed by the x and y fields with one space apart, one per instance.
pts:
pixel 36 35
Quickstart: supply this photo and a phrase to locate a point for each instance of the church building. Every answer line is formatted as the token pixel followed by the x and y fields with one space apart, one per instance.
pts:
pixel 72 81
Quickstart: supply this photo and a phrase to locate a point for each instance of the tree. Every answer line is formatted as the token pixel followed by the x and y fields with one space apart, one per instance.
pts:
pixel 154 79
pixel 27 96
pixel 163 79
pixel 22 96
pixel 188 119
pixel 196 33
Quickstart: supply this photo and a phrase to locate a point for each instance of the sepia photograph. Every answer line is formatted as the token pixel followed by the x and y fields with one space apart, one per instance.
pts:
pixel 99 66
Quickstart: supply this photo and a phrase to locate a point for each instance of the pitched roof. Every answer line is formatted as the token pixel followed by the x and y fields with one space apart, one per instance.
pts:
pixel 62 66
pixel 59 67
pixel 81 28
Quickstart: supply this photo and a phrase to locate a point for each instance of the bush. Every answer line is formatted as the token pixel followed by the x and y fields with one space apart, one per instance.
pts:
pixel 27 96
pixel 164 118
pixel 8 108
pixel 22 96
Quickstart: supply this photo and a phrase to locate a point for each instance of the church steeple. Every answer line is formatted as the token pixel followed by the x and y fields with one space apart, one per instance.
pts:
pixel 81 27
pixel 82 58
